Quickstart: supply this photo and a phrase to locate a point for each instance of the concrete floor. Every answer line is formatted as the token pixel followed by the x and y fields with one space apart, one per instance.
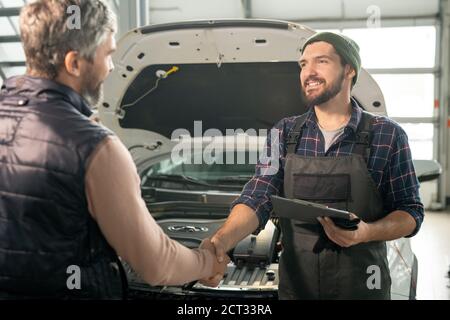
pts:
pixel 432 248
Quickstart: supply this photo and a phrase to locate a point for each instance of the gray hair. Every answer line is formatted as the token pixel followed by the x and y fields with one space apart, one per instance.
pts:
pixel 47 36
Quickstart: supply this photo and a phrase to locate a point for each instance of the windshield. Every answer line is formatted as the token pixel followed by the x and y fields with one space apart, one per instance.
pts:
pixel 228 170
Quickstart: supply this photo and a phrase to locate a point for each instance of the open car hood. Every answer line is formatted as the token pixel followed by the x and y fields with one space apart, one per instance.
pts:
pixel 233 74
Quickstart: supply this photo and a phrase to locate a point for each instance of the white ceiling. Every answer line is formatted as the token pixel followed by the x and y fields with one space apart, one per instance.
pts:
pixel 342 9
pixel 392 8
pixel 162 11
pixel 175 10
pixel 295 9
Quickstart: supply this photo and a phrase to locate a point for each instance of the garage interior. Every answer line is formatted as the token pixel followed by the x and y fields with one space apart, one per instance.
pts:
pixel 405 46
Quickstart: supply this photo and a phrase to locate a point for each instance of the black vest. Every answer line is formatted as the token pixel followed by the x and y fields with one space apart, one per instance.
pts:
pixel 46 230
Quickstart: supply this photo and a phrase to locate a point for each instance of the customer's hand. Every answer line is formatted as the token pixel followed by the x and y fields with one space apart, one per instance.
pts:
pixel 219 268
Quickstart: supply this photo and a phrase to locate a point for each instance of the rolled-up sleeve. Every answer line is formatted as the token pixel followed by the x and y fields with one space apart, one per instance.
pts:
pixel 268 177
pixel 401 184
pixel 115 202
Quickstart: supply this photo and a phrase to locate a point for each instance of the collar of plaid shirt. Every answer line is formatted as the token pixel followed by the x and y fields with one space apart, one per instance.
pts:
pixel 311 119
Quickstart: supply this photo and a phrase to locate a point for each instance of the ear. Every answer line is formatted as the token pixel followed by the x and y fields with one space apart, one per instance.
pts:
pixel 72 63
pixel 349 71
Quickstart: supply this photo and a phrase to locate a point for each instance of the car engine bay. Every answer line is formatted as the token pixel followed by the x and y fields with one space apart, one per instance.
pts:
pixel 251 273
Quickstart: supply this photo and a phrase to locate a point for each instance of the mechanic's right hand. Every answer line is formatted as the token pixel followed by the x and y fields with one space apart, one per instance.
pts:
pixel 219 268
pixel 220 249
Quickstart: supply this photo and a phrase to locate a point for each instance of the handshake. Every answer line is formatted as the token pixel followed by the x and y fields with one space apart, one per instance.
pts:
pixel 217 248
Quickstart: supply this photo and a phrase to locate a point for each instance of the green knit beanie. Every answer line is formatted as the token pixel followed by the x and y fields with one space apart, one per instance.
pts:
pixel 344 46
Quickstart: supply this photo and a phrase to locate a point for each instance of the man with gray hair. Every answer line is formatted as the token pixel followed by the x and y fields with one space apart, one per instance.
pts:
pixel 70 199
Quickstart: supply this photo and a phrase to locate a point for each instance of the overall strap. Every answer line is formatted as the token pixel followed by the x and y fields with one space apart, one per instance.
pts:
pixel 363 138
pixel 295 134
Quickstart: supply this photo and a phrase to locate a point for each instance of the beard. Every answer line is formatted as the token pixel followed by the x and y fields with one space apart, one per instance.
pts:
pixel 92 90
pixel 328 93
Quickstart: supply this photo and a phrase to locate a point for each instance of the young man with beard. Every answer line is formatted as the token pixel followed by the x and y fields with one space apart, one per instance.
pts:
pixel 335 154
pixel 69 191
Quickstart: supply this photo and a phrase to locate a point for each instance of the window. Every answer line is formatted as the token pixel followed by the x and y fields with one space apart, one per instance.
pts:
pixel 407 95
pixel 402 62
pixel 11 51
pixel 401 47
pixel 420 137
pixel 7 29
pixel 13 71
pixel 12 3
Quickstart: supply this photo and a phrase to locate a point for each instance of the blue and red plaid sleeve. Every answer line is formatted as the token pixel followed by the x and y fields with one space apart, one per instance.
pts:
pixel 399 185
pixel 269 174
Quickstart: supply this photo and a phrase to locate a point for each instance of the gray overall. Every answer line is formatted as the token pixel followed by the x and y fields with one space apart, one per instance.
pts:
pixel 311 265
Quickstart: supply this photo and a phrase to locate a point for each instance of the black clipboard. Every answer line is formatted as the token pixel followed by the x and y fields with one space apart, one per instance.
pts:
pixel 306 211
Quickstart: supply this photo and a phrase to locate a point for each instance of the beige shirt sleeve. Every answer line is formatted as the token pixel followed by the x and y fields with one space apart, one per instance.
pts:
pixel 114 198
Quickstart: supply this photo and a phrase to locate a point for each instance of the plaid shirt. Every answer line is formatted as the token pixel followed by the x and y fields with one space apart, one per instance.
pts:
pixel 389 164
